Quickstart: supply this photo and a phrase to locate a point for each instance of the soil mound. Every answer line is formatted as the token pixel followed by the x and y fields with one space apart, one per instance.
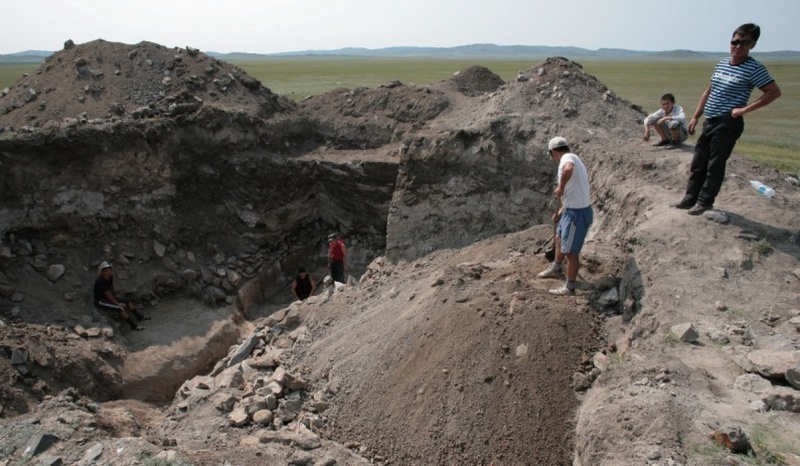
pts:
pixel 476 80
pixel 112 81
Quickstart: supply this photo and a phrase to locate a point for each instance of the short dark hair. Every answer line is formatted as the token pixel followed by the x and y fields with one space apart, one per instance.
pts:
pixel 301 270
pixel 669 97
pixel 749 29
pixel 563 149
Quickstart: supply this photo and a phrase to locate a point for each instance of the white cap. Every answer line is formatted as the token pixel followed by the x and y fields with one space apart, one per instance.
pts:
pixel 557 142
pixel 104 265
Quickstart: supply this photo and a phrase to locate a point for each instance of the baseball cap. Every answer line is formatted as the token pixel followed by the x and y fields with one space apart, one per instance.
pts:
pixel 332 236
pixel 557 142
pixel 104 265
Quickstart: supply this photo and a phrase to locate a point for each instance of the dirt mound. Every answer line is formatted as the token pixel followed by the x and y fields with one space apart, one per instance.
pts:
pixel 476 80
pixel 447 351
pixel 112 81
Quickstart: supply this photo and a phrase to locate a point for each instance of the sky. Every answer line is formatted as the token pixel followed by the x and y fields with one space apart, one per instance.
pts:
pixel 270 26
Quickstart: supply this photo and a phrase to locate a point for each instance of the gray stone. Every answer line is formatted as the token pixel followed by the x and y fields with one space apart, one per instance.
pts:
pixel 244 350
pixel 752 383
pixel 92 454
pixel 601 361
pixel 159 248
pixel 580 381
pixel 19 355
pixel 522 350
pixel 298 436
pixel 272 401
pixel 718 336
pixel 263 417
pixel 783 399
pixel 718 216
pixel 238 417
pixel 655 454
pixel 793 377
pixel 223 401
pixel 231 377
pixel 774 364
pixel 6 291
pixel 38 444
pixel 685 332
pixel 609 298
pixel 17 297
pixel 288 410
pixel 759 406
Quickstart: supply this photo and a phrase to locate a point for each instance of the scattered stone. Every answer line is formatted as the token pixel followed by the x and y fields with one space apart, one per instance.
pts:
pixel 718 336
pixel 238 417
pixel 38 444
pixel 685 332
pixel 654 454
pixel 774 364
pixel 92 455
pixel 299 436
pixel 793 377
pixel 263 417
pixel 783 399
pixel 19 355
pixel 244 350
pixel 223 401
pixel 752 383
pixel 522 350
pixel 734 440
pixel 717 216
pixel 720 306
pixel 609 298
pixel 580 382
pixel 759 406
pixel 159 248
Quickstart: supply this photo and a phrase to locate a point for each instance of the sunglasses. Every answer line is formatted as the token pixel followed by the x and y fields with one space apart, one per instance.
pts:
pixel 743 43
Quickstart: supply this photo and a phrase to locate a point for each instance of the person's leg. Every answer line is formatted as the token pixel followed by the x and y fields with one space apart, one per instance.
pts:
pixel 120 311
pixel 698 168
pixel 337 271
pixel 573 265
pixel 662 131
pixel 723 141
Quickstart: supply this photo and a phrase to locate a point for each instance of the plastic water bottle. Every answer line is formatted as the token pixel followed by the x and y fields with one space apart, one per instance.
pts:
pixel 762 189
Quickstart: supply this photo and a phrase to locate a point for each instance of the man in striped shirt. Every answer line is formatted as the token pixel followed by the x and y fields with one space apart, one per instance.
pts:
pixel 724 103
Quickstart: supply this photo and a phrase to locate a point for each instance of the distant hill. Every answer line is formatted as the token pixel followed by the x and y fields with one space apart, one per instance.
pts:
pixel 482 51
pixel 28 56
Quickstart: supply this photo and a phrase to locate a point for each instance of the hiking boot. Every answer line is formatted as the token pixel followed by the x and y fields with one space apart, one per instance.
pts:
pixel 550 273
pixel 674 145
pixel 563 291
pixel 684 204
pixel 661 143
pixel 699 209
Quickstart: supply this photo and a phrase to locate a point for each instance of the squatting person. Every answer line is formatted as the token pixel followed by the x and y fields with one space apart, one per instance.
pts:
pixel 105 298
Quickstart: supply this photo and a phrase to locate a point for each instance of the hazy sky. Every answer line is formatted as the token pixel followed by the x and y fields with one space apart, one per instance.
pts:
pixel 268 26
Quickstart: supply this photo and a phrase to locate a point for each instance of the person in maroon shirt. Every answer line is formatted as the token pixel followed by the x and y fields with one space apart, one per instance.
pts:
pixel 337 258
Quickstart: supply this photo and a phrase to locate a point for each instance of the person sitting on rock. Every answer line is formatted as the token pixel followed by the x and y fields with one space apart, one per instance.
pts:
pixel 303 285
pixel 105 298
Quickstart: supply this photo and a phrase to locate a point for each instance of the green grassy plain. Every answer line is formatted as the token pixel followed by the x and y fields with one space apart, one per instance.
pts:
pixel 770 137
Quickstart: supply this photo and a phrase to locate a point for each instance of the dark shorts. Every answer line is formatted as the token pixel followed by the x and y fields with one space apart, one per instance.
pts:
pixel 110 307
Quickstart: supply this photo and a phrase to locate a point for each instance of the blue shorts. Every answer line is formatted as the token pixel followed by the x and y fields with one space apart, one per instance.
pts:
pixel 573 227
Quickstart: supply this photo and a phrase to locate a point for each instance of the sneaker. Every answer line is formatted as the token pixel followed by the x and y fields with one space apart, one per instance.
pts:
pixel 699 209
pixel 563 291
pixel 674 145
pixel 661 143
pixel 684 204
pixel 139 328
pixel 145 318
pixel 550 273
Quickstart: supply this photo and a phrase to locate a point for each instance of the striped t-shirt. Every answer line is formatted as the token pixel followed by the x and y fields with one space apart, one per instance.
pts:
pixel 731 85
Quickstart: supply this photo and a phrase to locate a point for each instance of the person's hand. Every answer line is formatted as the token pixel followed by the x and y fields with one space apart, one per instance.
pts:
pixel 646 136
pixel 559 191
pixel 663 120
pixel 737 113
pixel 692 124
